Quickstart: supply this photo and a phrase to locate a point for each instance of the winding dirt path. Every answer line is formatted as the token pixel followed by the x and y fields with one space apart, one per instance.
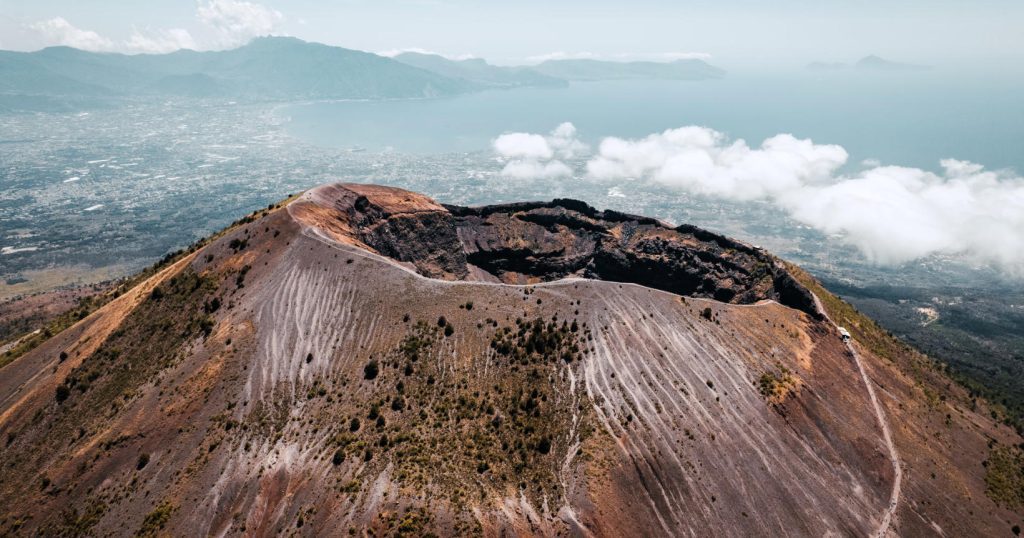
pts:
pixel 894 457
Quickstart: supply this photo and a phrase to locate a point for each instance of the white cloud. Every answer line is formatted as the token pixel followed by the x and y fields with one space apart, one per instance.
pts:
pixel 701 160
pixel 892 214
pixel 562 55
pixel 523 146
pixel 237 21
pixel 534 156
pixel 160 41
pixel 58 31
pixel 232 23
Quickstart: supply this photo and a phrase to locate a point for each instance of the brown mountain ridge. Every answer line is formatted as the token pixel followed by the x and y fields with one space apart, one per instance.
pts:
pixel 365 361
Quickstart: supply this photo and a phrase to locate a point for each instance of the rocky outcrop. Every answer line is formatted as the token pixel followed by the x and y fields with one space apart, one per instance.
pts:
pixel 396 223
pixel 531 242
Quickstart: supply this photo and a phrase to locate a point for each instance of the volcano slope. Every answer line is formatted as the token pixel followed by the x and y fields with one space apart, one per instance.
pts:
pixel 366 361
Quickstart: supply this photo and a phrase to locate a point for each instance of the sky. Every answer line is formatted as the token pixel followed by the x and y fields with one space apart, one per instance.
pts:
pixel 729 32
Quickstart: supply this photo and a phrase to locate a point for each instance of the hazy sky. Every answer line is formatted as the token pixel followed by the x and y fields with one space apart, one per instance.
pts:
pixel 732 32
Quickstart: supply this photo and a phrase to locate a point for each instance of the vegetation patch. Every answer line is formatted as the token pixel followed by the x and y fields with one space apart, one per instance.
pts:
pixel 75 522
pixel 776 386
pixel 155 521
pixel 467 433
pixel 931 376
pixel 148 340
pixel 1004 476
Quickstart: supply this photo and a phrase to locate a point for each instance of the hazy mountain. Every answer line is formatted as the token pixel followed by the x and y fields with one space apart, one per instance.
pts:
pixel 283 68
pixel 691 69
pixel 479 72
pixel 266 68
pixel 364 360
pixel 867 63
pixel 876 63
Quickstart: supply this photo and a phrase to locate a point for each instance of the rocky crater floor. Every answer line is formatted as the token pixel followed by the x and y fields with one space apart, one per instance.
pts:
pixel 362 360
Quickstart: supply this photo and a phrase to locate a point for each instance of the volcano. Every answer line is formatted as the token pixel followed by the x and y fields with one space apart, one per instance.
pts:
pixel 362 360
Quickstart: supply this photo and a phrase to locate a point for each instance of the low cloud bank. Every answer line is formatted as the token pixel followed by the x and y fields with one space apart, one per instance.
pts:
pixel 532 156
pixel 892 214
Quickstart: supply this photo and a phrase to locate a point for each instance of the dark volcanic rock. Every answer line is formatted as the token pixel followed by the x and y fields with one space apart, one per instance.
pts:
pixel 531 242
pixel 528 242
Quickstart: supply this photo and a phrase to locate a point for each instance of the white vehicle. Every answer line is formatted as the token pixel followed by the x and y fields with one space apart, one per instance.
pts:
pixel 844 334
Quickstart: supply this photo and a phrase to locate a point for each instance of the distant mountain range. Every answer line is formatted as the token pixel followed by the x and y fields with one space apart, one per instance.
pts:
pixel 478 72
pixel 267 68
pixel 284 68
pixel 867 63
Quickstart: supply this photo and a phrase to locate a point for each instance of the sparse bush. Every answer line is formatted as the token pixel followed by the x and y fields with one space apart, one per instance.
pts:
pixel 155 520
pixel 206 325
pixel 240 279
pixel 371 370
